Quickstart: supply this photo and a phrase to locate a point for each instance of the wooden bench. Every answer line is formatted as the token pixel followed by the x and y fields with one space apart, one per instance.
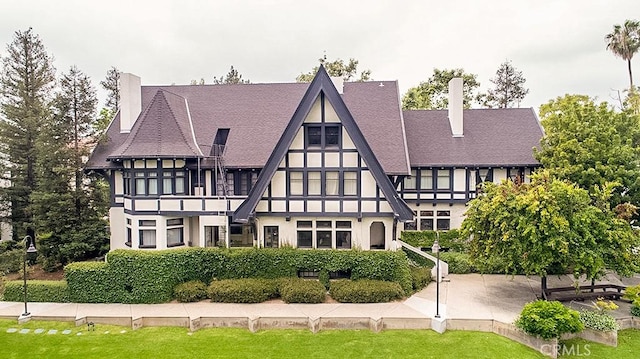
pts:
pixel 585 292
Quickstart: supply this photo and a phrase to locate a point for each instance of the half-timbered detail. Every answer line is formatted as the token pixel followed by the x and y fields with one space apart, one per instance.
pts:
pixel 322 165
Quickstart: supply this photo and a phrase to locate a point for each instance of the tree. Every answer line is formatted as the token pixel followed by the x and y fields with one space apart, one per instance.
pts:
pixel 337 68
pixel 509 87
pixel 624 42
pixel 550 224
pixel 233 77
pixel 26 81
pixel 63 209
pixel 111 84
pixel 591 145
pixel 433 94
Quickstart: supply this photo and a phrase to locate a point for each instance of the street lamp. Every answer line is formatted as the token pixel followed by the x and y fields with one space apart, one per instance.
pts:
pixel 436 249
pixel 29 244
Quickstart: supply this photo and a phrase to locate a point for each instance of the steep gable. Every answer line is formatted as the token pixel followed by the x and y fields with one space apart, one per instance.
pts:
pixel 322 85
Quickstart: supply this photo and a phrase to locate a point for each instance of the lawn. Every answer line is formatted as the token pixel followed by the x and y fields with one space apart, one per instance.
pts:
pixel 172 342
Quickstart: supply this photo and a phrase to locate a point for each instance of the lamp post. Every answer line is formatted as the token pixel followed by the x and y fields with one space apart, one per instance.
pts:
pixel 436 249
pixel 29 244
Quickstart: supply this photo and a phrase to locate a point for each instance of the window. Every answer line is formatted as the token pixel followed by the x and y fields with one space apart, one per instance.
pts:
pixel 304 224
pixel 304 239
pixel 426 179
pixel 323 239
pixel 343 239
pixel 129 235
pixel 230 182
pixel 147 235
pixel 410 226
pixel 410 182
pixel 319 136
pixel 444 224
pixel 141 188
pixel 443 179
pixel 152 182
pixel 180 175
pixel 175 232
pixel 167 182
pixel 484 175
pixel 332 136
pixel 314 183
pixel 343 224
pixel 126 179
pixel 426 224
pixel 314 136
pixel 332 181
pixel 350 183
pixel 323 224
pixel 295 183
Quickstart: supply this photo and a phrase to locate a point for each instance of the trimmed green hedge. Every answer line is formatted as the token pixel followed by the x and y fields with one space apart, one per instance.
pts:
pixel 137 276
pixel 191 291
pixel 420 277
pixel 37 291
pixel 365 291
pixel 247 290
pixel 297 290
pixel 450 239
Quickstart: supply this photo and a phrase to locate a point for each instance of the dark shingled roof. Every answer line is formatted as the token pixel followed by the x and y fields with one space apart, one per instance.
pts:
pixel 256 115
pixel 498 137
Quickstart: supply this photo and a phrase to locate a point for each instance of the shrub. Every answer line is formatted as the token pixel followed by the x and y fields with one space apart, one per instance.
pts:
pixel 297 290
pixel 598 321
pixel 191 291
pixel 37 291
pixel 632 293
pixel 548 319
pixel 635 308
pixel 365 291
pixel 248 290
pixel 418 260
pixel 11 261
pixel 420 277
pixel 459 263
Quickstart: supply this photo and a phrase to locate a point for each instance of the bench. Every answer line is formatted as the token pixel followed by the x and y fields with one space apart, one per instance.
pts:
pixel 585 292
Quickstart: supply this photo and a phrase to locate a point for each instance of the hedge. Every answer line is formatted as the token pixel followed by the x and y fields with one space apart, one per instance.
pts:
pixel 365 291
pixel 420 277
pixel 37 291
pixel 191 291
pixel 449 240
pixel 297 290
pixel 247 290
pixel 138 276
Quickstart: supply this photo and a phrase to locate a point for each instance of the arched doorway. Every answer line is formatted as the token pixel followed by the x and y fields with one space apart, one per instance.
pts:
pixel 376 235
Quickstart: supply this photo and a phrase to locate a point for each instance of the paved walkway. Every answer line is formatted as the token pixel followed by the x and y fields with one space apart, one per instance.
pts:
pixel 469 296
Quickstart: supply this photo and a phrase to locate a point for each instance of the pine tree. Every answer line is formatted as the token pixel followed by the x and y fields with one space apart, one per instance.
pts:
pixel 26 82
pixel 62 203
pixel 233 77
pixel 509 90
pixel 110 83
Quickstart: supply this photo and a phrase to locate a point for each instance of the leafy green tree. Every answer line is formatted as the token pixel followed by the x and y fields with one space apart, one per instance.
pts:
pixel 624 42
pixel 112 86
pixel 26 81
pixel 337 68
pixel 433 93
pixel 232 77
pixel 550 223
pixel 63 209
pixel 591 144
pixel 509 88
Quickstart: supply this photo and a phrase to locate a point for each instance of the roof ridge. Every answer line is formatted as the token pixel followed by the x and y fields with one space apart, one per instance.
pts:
pixel 173 115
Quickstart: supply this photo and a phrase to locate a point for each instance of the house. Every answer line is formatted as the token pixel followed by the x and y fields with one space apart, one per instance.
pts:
pixel 326 164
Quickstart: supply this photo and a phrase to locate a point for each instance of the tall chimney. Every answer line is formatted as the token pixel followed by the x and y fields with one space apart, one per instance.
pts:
pixel 130 101
pixel 338 82
pixel 455 107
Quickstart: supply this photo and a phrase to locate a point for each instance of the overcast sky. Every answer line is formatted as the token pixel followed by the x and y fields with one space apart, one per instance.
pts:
pixel 557 44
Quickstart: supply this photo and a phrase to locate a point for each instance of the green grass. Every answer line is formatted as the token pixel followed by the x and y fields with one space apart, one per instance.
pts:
pixel 171 342
pixel 628 347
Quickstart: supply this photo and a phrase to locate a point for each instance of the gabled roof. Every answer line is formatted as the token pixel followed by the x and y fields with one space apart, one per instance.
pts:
pixel 257 115
pixel 163 130
pixel 322 83
pixel 492 137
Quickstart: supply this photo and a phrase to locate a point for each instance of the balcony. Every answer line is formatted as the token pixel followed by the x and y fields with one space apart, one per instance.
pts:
pixel 172 205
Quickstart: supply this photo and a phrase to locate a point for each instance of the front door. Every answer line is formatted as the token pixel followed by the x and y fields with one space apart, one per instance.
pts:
pixel 212 237
pixel 271 237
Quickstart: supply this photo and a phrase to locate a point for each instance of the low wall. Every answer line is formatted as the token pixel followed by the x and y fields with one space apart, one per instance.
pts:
pixel 596 336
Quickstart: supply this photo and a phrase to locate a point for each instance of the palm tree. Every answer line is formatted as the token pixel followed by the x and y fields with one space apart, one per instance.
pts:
pixel 624 42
